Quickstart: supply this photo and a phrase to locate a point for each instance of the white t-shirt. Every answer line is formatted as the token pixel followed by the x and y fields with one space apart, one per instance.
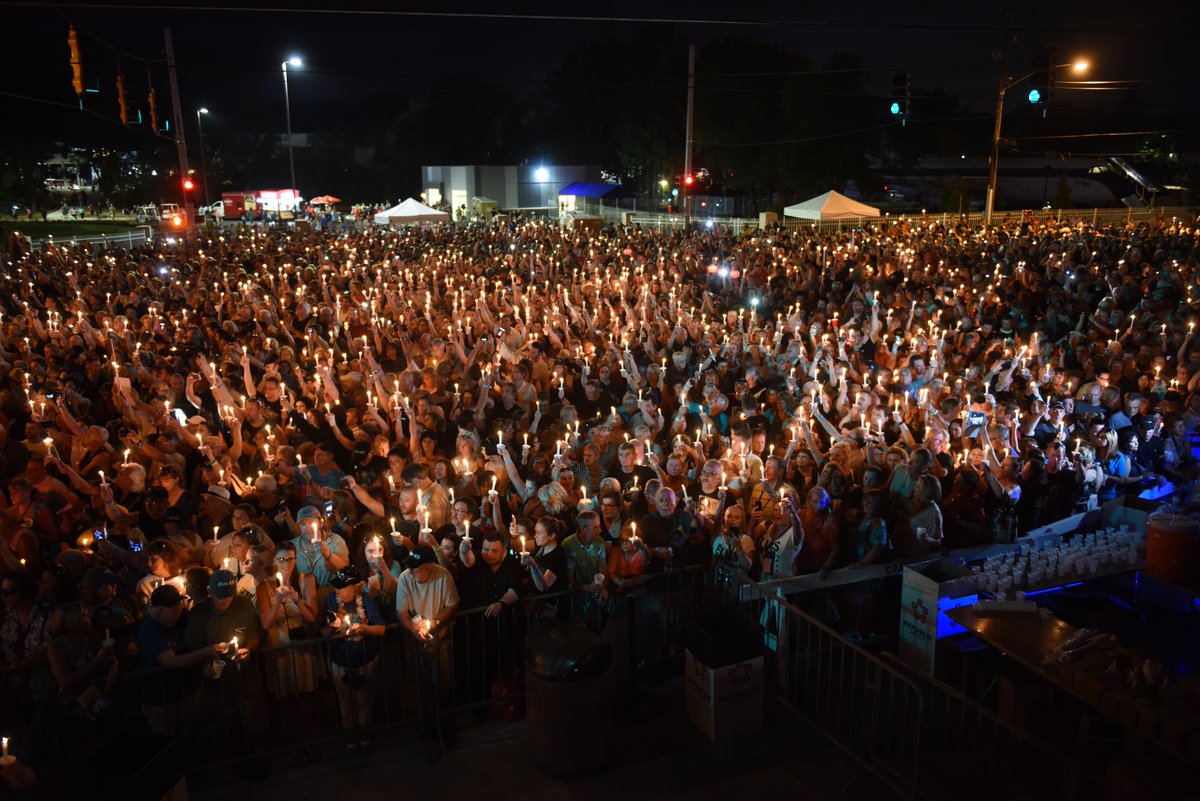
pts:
pixel 429 599
pixel 777 557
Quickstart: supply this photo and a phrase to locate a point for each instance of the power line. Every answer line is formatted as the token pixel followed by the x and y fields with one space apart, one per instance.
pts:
pixel 518 17
pixel 797 141
pixel 85 110
pixel 1110 133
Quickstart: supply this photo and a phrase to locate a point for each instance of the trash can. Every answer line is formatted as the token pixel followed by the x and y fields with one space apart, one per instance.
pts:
pixel 723 668
pixel 569 698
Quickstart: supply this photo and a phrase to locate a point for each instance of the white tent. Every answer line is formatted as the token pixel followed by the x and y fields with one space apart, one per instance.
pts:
pixel 410 211
pixel 830 206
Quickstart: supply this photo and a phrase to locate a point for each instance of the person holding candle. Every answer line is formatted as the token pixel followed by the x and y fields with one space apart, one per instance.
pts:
pixel 427 591
pixel 85 673
pixel 547 564
pixel 231 622
pixel 353 621
pixel 319 551
pixel 169 695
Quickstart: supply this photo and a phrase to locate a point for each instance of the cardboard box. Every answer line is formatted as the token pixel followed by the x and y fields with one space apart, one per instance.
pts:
pixel 724 701
pixel 929 590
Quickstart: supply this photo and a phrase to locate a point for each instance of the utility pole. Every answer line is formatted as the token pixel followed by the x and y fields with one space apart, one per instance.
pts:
pixel 994 164
pixel 687 153
pixel 180 140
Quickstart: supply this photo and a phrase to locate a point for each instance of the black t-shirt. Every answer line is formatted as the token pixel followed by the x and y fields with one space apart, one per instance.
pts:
pixel 556 562
pixel 480 585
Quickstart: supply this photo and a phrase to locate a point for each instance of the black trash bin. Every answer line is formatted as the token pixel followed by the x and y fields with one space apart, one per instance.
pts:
pixel 569 698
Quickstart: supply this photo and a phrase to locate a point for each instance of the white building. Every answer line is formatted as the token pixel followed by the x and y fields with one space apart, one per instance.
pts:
pixel 530 187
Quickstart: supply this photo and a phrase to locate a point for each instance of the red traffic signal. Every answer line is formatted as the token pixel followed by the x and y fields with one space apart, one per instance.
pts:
pixel 177 221
pixel 688 180
pixel 188 184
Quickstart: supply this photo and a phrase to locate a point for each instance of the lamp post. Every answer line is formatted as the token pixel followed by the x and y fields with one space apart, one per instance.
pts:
pixel 1079 65
pixel 203 164
pixel 287 106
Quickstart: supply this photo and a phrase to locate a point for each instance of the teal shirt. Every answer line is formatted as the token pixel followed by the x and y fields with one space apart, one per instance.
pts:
pixel 584 561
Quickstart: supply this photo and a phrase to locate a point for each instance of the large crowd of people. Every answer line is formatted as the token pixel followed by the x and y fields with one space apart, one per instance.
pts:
pixel 250 438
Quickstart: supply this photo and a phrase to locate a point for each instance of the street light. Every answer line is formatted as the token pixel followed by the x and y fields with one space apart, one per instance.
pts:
pixel 287 106
pixel 1079 65
pixel 203 165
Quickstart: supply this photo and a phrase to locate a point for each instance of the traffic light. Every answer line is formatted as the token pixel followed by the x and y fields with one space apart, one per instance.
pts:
pixel 688 180
pixel 188 185
pixel 177 221
pixel 901 92
pixel 122 108
pixel 76 61
pixel 153 111
pixel 1041 82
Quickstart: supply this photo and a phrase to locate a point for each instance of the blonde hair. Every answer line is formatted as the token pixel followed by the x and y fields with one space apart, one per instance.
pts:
pixel 554 497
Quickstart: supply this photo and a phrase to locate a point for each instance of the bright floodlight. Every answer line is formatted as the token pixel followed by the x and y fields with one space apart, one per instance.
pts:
pixel 202 111
pixel 541 174
pixel 295 61
pixel 1080 65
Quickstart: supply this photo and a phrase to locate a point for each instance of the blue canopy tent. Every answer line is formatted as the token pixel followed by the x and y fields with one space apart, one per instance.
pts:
pixel 586 197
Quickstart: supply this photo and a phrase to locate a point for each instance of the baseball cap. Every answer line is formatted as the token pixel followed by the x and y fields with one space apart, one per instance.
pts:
pixel 308 513
pixel 166 595
pixel 346 577
pixel 422 555
pixel 222 585
pixel 99 576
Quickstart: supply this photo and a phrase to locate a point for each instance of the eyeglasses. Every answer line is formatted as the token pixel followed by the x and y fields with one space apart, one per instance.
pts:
pixel 283 560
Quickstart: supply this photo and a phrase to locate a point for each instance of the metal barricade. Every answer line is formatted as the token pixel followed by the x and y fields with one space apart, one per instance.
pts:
pixel 859 702
pixel 923 738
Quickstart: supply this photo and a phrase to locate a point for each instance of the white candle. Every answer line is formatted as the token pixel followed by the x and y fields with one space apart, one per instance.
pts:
pixel 523 551
pixel 216 532
pixel 279 579
pixel 4 746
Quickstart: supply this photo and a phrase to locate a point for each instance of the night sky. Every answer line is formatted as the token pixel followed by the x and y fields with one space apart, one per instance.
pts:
pixel 229 62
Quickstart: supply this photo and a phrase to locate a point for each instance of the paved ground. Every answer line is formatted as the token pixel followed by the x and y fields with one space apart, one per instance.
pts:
pixel 659 758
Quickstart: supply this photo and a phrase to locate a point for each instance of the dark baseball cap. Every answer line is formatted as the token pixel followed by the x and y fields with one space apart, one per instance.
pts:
pixel 422 555
pixel 222 585
pixel 167 596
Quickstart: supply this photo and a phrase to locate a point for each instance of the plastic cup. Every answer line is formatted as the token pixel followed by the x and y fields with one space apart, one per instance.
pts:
pixel 217 666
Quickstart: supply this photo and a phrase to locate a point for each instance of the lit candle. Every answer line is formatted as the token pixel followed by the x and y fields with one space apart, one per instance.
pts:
pixel 279 579
pixel 633 531
pixel 523 551
pixel 216 532
pixel 4 747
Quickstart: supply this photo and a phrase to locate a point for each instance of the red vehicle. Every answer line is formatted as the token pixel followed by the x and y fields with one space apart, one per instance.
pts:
pixel 240 206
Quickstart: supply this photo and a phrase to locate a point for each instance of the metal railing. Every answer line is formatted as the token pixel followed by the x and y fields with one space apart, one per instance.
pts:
pixel 916 734
pixel 123 239
pixel 1093 216
pixel 288 699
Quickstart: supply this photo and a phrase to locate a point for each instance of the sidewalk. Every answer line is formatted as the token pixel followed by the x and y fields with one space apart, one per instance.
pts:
pixel 662 758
